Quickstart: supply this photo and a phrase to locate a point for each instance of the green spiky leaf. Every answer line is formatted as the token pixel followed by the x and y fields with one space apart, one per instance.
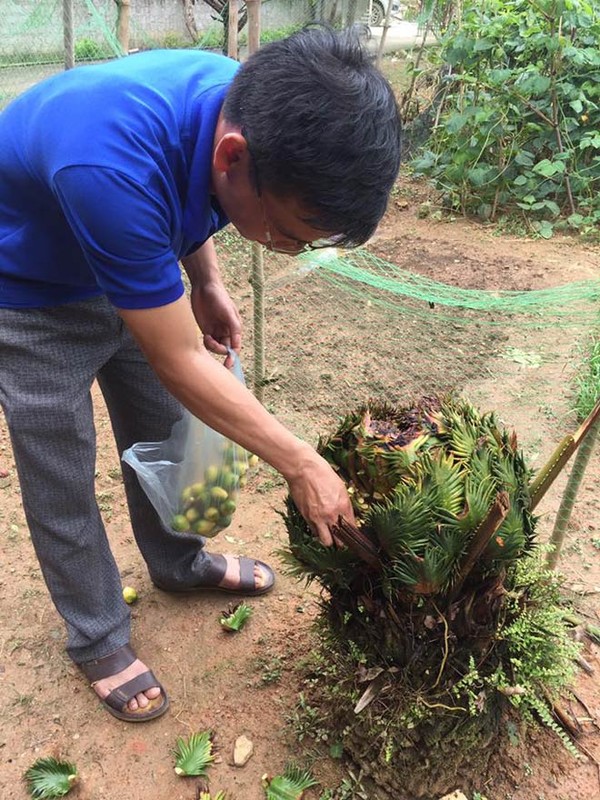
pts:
pixel 209 796
pixel 401 524
pixel 194 754
pixel 510 539
pixel 49 777
pixel 444 483
pixel 289 786
pixel 235 618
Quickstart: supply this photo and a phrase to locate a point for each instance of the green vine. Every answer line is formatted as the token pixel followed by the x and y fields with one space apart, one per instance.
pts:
pixel 545 716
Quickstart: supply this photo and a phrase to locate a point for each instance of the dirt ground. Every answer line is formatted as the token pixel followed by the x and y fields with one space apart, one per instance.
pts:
pixel 325 352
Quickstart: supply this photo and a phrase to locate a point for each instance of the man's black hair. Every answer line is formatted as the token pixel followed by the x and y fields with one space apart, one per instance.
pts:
pixel 323 126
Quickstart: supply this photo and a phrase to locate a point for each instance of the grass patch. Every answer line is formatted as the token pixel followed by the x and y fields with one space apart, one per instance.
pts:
pixel 588 381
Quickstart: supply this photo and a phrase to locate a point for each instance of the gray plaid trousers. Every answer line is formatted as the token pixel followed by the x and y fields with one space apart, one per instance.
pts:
pixel 49 358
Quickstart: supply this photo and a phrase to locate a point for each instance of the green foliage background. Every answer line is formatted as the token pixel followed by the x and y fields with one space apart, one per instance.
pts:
pixel 517 125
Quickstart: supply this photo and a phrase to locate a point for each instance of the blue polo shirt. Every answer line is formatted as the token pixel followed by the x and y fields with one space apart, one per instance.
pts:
pixel 105 179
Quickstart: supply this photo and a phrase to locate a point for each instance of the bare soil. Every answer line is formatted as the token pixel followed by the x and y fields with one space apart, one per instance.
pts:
pixel 326 352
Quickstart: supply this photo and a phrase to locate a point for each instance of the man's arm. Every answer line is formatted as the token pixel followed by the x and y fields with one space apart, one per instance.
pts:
pixel 215 311
pixel 169 337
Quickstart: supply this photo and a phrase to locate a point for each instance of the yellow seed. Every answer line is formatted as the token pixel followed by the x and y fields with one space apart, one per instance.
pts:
pixel 211 514
pixel 186 494
pixel 196 489
pixel 253 460
pixel 180 523
pixel 218 493
pixel 227 508
pixel 211 474
pixel 192 515
pixel 203 527
pixel 229 481
pixel 129 594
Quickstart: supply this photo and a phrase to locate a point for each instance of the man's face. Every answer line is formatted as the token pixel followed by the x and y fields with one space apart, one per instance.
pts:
pixel 278 223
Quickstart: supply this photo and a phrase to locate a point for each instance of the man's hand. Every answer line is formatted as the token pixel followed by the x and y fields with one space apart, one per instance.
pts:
pixel 321 497
pixel 218 318
pixel 214 310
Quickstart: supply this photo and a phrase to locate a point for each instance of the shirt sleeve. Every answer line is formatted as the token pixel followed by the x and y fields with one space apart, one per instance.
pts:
pixel 125 231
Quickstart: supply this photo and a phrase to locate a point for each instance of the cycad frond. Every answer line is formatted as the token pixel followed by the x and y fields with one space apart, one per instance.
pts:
pixel 402 524
pixel 463 437
pixel 234 619
pixel 478 499
pixel 289 786
pixel 481 466
pixel 451 541
pixel 506 475
pixel 49 777
pixel 309 559
pixel 209 796
pixel 194 754
pixel 444 483
pixel 423 574
pixel 510 539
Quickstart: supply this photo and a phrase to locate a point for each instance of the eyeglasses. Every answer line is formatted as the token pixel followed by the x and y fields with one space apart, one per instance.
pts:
pixel 293 246
pixel 288 246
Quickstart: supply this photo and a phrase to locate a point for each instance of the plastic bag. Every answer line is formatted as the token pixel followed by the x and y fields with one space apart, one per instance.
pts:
pixel 193 478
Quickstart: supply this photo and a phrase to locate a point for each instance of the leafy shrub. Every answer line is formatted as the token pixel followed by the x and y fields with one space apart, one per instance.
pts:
pixel 89 50
pixel 520 119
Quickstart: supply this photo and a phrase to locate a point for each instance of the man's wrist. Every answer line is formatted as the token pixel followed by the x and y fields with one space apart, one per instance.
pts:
pixel 298 461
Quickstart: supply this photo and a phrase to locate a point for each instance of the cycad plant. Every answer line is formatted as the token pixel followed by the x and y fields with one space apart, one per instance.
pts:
pixel 430 605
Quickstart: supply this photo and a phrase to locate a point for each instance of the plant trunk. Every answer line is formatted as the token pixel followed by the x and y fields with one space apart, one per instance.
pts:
pixel 190 20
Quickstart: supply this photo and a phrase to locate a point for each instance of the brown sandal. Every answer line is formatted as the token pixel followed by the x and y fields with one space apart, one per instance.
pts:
pixel 116 702
pixel 216 572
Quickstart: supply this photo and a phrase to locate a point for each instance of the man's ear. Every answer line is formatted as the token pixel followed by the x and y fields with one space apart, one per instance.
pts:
pixel 230 152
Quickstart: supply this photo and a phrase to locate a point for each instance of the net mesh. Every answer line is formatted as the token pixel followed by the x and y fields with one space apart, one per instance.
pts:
pixel 32 32
pixel 341 327
pixel 345 327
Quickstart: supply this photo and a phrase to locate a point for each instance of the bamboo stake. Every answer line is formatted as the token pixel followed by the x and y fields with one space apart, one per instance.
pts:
pixel 258 276
pixel 386 26
pixel 570 494
pixel 253 7
pixel 68 40
pixel 123 24
pixel 232 35
pixel 560 456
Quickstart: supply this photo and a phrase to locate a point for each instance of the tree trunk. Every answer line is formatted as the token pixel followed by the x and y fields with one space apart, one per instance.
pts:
pixel 190 20
pixel 231 31
pixel 123 7
pixel 351 13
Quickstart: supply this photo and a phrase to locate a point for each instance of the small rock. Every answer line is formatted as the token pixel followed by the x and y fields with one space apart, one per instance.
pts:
pixel 242 751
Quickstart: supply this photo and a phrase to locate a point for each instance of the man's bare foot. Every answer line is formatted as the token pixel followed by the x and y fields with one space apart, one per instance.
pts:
pixel 231 579
pixel 105 686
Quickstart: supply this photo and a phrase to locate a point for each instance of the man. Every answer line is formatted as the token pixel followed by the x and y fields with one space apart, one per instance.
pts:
pixel 111 175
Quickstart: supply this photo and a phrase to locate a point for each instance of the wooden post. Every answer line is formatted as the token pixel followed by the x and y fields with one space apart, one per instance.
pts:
pixel 123 24
pixel 258 273
pixel 232 35
pixel 253 25
pixel 68 39
pixel 386 26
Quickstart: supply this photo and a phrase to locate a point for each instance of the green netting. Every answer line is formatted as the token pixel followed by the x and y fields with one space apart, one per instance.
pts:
pixel 342 327
pixel 32 33
pixel 389 285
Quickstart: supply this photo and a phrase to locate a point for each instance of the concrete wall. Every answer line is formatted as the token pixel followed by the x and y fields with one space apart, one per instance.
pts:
pixel 30 27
